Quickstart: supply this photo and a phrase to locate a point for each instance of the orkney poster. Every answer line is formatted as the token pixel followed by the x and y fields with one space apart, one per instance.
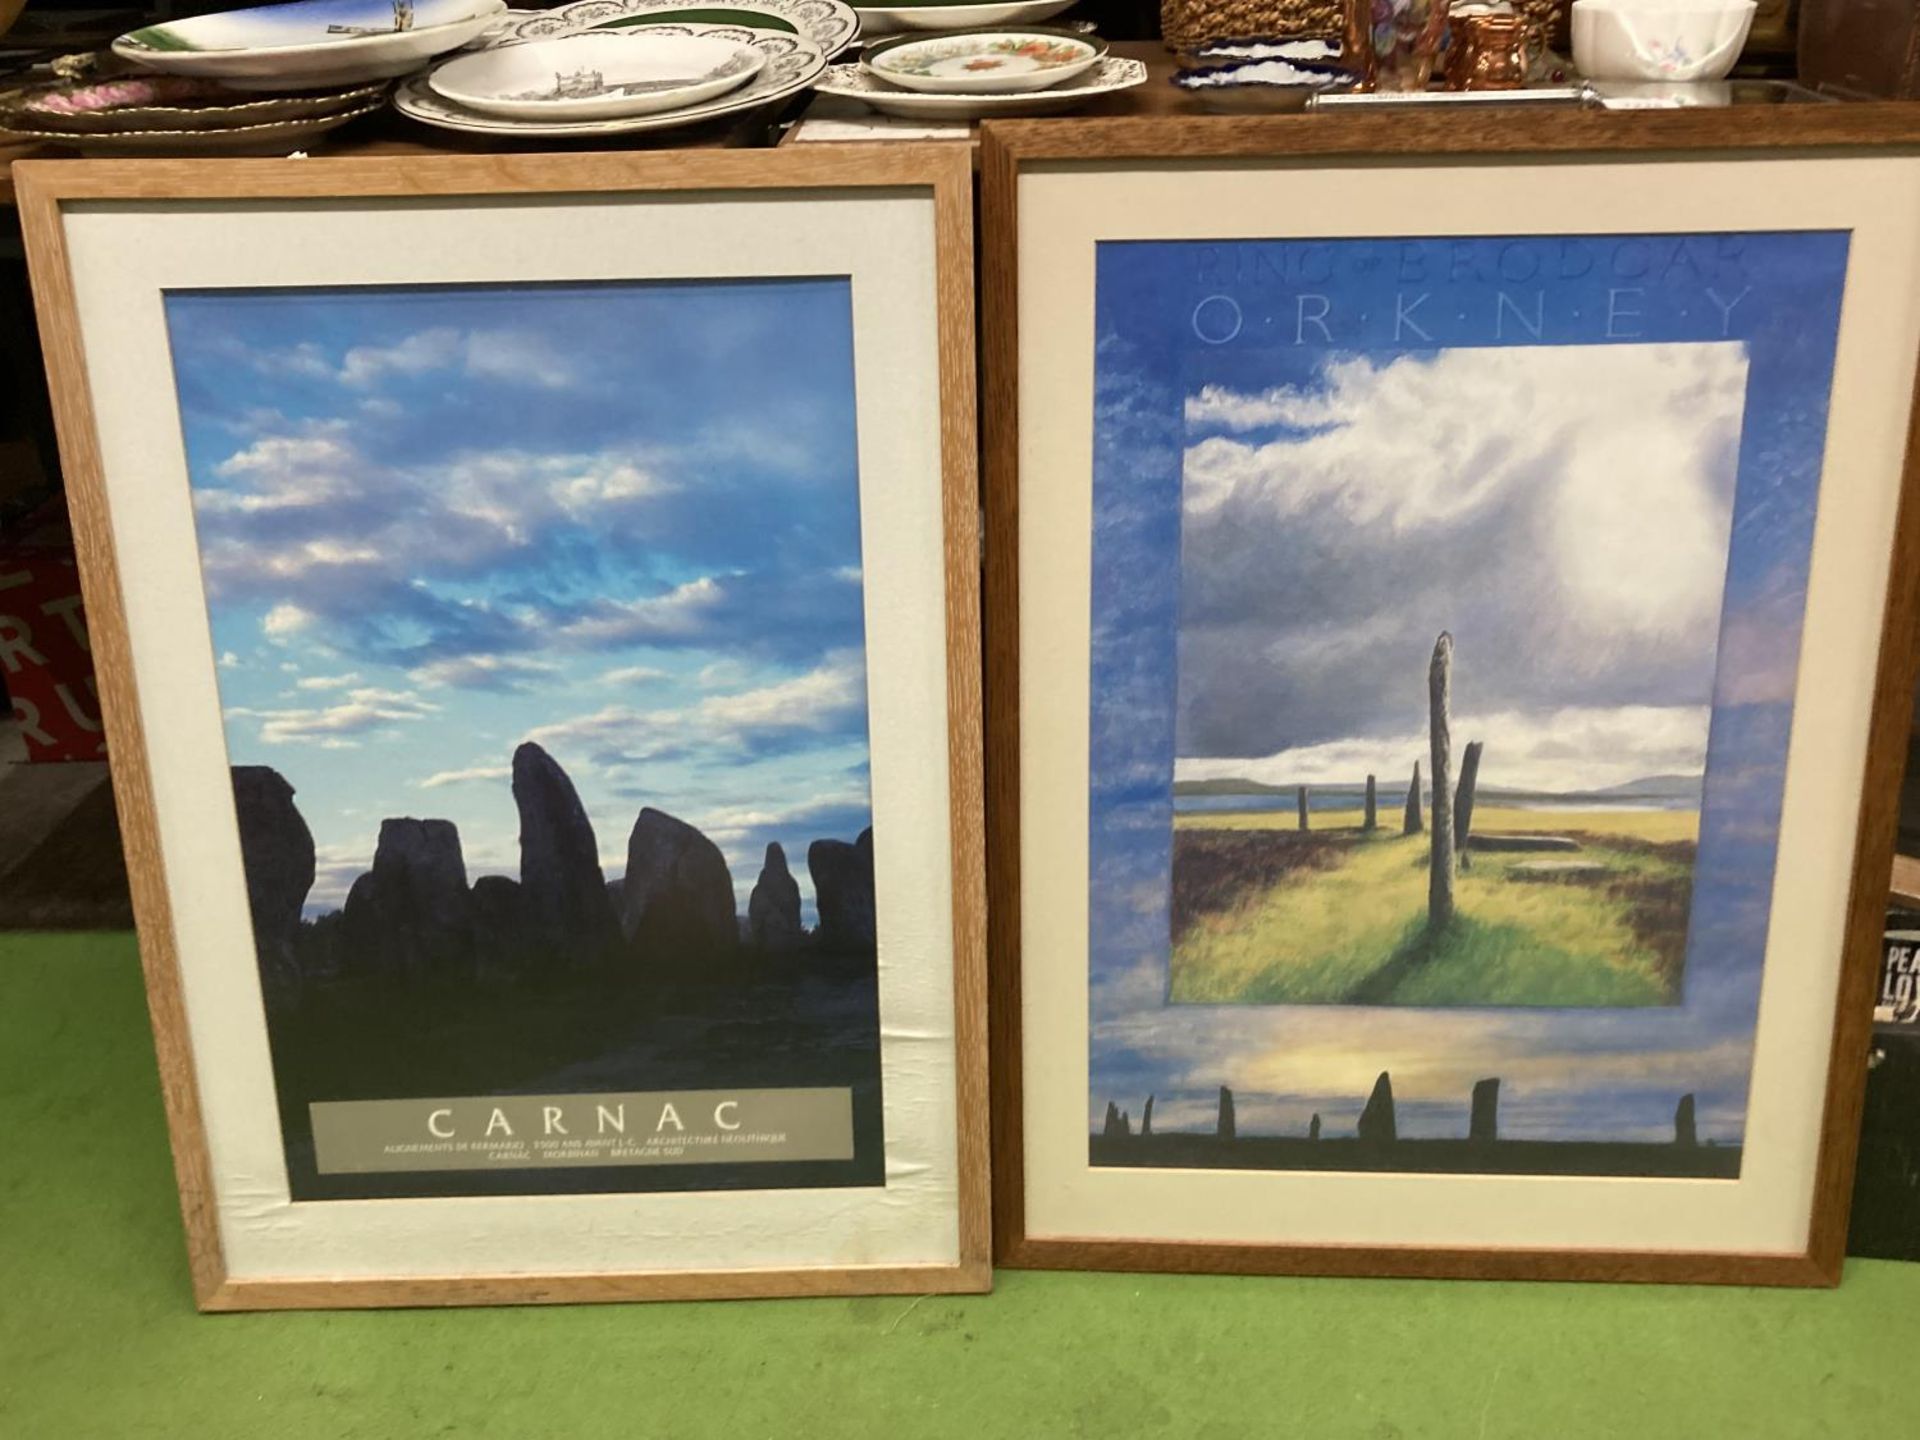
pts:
pixel 1446 610
pixel 538 622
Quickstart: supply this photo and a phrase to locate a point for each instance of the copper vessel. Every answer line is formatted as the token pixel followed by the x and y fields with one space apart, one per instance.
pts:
pixel 1487 52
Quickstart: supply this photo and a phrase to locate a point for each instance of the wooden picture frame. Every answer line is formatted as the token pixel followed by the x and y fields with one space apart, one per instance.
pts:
pixel 1280 182
pixel 750 207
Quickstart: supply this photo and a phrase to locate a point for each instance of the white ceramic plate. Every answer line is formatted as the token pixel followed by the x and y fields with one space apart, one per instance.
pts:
pixel 25 112
pixel 891 19
pixel 830 24
pixel 273 138
pixel 792 64
pixel 984 62
pixel 307 52
pixel 597 76
pixel 1109 77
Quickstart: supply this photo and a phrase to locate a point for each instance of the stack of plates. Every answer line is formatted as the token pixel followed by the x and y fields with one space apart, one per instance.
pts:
pixel 829 24
pixel 310 44
pixel 165 114
pixel 597 83
pixel 965 75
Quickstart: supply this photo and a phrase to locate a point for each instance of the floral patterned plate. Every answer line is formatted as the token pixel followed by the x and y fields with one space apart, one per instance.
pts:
pixel 830 24
pixel 792 64
pixel 984 62
pixel 597 76
pixel 1109 77
pixel 890 17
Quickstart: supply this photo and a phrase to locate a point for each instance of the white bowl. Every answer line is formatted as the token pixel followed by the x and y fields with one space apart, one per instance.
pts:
pixel 984 62
pixel 1676 40
pixel 886 19
pixel 597 75
pixel 296 54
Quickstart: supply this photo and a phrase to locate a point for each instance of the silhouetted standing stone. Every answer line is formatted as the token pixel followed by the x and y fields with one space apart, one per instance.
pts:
pixel 1112 1126
pixel 843 891
pixel 563 890
pixel 1126 1124
pixel 1463 797
pixel 773 910
pixel 1684 1134
pixel 1300 799
pixel 1313 1126
pixel 1376 1121
pixel 1410 823
pixel 411 913
pixel 1225 1128
pixel 1146 1118
pixel 276 851
pixel 1372 820
pixel 1485 1122
pixel 502 932
pixel 677 906
pixel 1440 751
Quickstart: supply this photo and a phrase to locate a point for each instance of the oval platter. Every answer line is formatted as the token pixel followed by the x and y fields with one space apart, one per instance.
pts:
pixel 829 24
pixel 1110 76
pixel 946 15
pixel 793 63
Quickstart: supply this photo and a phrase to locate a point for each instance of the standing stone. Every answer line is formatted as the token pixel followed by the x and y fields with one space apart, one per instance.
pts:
pixel 773 910
pixel 1126 1124
pixel 1376 1121
pixel 1225 1128
pixel 411 914
pixel 1300 800
pixel 1440 855
pixel 1485 1122
pixel 1146 1118
pixel 502 931
pixel 563 890
pixel 1313 1126
pixel 1372 821
pixel 677 905
pixel 1410 825
pixel 1111 1128
pixel 1684 1134
pixel 276 852
pixel 843 891
pixel 1463 797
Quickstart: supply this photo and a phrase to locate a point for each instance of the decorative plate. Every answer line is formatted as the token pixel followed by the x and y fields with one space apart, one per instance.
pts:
pixel 901 15
pixel 792 64
pixel 1109 77
pixel 830 24
pixel 276 137
pixel 167 103
pixel 328 43
pixel 597 76
pixel 984 62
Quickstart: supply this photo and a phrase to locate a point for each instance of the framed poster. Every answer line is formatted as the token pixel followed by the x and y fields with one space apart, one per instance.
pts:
pixel 1446 682
pixel 535 607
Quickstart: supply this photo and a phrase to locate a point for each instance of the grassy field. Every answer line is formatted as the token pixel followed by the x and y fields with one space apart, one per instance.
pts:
pixel 1264 914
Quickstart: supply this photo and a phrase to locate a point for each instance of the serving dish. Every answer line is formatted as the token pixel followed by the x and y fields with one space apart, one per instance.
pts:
pixel 1109 77
pixel 597 76
pixel 993 61
pixel 900 15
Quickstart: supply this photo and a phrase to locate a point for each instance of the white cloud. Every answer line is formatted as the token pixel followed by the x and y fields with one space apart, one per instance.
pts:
pixel 1563 511
pixel 632 675
pixel 517 356
pixel 481 672
pixel 365 710
pixel 674 615
pixel 461 777
pixel 285 619
pixel 229 660
pixel 417 354
pixel 327 682
pixel 1562 751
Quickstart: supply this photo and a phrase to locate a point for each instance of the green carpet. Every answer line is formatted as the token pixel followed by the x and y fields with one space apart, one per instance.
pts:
pixel 99 1338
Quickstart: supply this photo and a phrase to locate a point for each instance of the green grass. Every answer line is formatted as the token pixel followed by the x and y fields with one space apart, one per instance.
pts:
pixel 1357 933
pixel 1657 826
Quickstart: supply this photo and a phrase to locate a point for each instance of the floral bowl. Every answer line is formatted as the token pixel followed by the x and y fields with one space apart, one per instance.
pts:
pixel 1678 40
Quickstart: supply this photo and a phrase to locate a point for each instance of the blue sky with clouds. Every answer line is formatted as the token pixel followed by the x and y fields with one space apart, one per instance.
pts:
pixel 618 519
pixel 1567 413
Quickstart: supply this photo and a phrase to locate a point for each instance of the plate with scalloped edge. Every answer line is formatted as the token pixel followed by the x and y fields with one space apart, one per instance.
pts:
pixel 792 64
pixel 830 24
pixel 1109 77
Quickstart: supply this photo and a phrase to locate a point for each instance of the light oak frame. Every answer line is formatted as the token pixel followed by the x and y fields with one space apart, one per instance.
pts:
pixel 1009 146
pixel 44 187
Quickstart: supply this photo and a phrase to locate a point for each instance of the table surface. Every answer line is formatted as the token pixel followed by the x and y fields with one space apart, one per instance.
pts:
pixel 98 1337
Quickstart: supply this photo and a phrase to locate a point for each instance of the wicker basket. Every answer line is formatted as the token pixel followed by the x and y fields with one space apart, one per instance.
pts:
pixel 1186 25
